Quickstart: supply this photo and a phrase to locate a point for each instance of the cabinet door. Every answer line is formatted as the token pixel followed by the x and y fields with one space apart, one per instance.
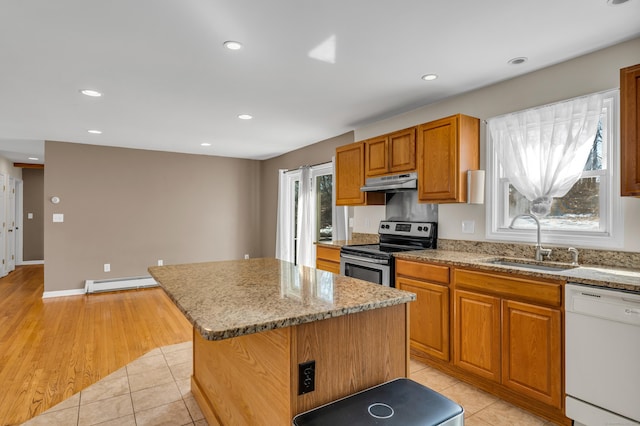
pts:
pixel 428 317
pixel 437 154
pixel 447 148
pixel 402 150
pixel 630 126
pixel 350 177
pixel 376 158
pixel 532 351
pixel 476 328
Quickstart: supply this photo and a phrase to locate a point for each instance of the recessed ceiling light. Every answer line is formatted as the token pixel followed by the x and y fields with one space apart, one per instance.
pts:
pixel 33 158
pixel 232 45
pixel 205 144
pixel 91 92
pixel 245 117
pixel 517 61
pixel 429 77
pixel 95 132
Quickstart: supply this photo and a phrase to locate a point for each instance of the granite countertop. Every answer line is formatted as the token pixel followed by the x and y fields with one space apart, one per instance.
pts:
pixel 602 276
pixel 233 298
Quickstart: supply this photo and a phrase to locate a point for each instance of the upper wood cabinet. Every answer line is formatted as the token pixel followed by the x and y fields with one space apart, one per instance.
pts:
pixel 392 153
pixel 350 177
pixel 447 148
pixel 630 125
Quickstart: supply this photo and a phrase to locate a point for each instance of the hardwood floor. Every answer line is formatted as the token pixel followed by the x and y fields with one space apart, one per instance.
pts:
pixel 53 348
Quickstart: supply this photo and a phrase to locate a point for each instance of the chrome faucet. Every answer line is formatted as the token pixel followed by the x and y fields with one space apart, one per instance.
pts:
pixel 574 255
pixel 541 253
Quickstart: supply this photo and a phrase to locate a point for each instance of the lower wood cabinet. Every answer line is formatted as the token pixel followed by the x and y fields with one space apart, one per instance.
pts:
pixel 328 258
pixel 429 314
pixel 476 327
pixel 500 332
pixel 508 329
pixel 532 351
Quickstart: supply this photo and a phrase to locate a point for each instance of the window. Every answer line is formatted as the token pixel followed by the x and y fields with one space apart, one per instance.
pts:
pixel 589 215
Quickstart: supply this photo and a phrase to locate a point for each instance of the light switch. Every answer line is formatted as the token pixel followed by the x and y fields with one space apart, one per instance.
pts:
pixel 58 217
pixel 468 226
pixel 29 215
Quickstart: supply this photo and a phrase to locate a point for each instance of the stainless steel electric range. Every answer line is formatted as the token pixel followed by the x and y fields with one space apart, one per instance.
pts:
pixel 375 262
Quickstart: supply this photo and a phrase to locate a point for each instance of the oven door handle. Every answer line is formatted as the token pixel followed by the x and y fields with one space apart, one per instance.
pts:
pixel 364 259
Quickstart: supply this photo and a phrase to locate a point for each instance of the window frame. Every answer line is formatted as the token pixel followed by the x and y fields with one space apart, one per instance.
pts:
pixel 497 202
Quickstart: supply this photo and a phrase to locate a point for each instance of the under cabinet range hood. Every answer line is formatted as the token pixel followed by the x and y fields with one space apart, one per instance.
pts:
pixel 392 183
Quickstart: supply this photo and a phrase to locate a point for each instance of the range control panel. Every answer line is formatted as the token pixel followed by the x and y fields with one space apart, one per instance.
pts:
pixel 413 229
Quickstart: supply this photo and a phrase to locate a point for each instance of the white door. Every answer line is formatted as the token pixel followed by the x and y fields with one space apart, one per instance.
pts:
pixel 3 228
pixel 320 211
pixel 11 224
pixel 18 222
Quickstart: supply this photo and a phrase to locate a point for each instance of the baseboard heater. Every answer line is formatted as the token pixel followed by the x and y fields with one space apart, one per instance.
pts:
pixel 116 284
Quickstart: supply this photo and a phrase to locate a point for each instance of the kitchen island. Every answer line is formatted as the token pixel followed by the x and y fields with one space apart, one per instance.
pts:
pixel 256 321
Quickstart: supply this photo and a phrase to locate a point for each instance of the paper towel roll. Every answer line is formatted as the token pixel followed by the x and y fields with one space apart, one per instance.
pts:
pixel 475 186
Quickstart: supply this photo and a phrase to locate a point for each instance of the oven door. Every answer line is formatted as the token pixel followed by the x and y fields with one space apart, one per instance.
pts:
pixel 373 270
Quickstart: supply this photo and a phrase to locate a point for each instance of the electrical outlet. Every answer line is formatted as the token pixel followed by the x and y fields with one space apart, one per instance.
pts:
pixel 246 256
pixel 160 262
pixel 306 377
pixel 107 267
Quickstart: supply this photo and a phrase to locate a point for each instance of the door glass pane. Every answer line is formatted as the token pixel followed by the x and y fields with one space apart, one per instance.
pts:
pixel 324 192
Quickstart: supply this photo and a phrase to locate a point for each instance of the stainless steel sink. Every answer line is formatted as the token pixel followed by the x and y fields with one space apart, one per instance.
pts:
pixel 535 266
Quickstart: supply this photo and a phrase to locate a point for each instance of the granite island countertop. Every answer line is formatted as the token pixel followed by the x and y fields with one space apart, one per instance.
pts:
pixel 601 276
pixel 232 298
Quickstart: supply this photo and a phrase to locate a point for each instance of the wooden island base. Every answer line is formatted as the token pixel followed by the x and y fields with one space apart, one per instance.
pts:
pixel 253 379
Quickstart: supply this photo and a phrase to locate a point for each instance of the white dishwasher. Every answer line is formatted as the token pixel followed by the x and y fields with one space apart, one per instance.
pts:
pixel 602 362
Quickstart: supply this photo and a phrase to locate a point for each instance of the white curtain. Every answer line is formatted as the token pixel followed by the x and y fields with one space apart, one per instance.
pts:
pixel 284 251
pixel 306 237
pixel 543 150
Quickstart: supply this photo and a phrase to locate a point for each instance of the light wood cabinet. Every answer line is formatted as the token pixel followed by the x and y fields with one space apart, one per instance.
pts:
pixel 429 314
pixel 392 153
pixel 630 126
pixel 328 258
pixel 531 351
pixel 447 148
pixel 508 329
pixel 476 341
pixel 350 177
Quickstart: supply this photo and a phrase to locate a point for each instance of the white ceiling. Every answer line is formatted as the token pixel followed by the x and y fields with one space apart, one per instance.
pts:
pixel 169 84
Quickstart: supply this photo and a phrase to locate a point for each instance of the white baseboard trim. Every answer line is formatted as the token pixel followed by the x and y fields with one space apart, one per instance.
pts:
pixel 31 262
pixel 62 293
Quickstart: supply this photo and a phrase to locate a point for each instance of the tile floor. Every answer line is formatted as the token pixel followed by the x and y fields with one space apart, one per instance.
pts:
pixel 155 390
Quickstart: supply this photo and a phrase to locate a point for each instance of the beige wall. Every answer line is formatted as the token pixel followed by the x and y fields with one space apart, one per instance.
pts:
pixel 132 207
pixel 33 203
pixel 317 153
pixel 587 74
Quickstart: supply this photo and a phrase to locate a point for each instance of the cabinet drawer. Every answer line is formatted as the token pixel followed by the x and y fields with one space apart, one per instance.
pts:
pixel 545 292
pixel 423 271
pixel 326 253
pixel 328 266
